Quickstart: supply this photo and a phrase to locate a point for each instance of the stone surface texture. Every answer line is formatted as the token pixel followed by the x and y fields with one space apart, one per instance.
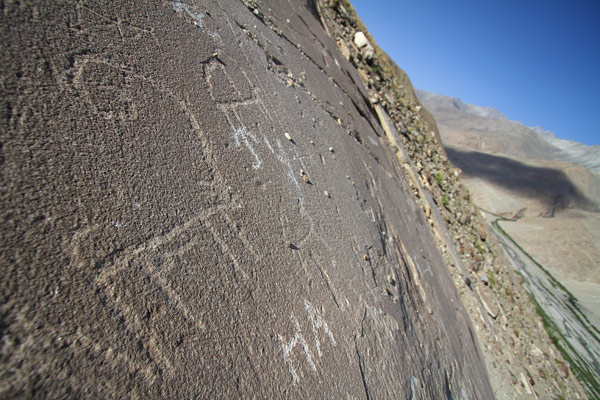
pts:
pixel 516 343
pixel 165 232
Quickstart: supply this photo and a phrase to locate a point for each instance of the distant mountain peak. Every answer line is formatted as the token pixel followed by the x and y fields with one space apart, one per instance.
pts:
pixel 491 129
pixel 458 104
pixel 572 151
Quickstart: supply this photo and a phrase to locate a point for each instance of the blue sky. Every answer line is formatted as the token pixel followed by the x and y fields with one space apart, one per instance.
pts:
pixel 538 62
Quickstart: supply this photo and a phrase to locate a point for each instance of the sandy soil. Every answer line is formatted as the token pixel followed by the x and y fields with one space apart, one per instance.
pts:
pixel 584 346
pixel 588 296
pixel 568 245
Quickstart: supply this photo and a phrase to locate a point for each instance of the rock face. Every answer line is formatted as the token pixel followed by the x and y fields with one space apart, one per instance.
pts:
pixel 473 256
pixel 198 201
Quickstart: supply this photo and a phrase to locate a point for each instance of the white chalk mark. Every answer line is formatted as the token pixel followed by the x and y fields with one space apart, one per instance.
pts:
pixel 422 270
pixel 178 6
pixel 428 269
pixel 286 349
pixel 268 144
pixel 282 157
pixel 241 135
pixel 215 36
pixel 317 323
pixel 413 384
pixel 371 175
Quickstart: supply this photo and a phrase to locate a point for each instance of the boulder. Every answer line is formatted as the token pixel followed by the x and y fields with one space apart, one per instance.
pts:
pixel 491 309
pixel 360 40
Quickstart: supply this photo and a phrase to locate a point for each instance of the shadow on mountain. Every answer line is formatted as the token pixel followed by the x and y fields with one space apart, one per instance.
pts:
pixel 550 186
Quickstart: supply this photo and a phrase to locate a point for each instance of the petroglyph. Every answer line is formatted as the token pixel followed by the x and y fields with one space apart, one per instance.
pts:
pixel 283 158
pixel 413 385
pixel 317 322
pixel 156 259
pixel 178 6
pixel 286 349
pixel 268 144
pixel 241 135
pixel 427 269
pixel 231 102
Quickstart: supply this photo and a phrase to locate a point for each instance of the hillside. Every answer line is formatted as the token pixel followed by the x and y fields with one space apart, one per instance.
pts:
pixel 226 199
pixel 487 129
pixel 543 192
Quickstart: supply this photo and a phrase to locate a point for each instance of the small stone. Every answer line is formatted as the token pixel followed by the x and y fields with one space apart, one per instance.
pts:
pixel 365 257
pixel 530 379
pixel 326 193
pixel 344 49
pixel 484 279
pixel 331 150
pixel 487 304
pixel 305 179
pixel 563 369
pixel 535 351
pixel 482 233
pixel 360 40
pixel 287 136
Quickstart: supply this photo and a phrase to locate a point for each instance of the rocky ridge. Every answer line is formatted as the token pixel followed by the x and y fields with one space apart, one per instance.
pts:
pixel 497 134
pixel 520 356
pixel 578 153
pixel 432 100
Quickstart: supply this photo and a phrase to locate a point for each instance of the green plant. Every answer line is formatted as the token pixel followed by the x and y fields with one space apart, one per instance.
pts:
pixel 445 200
pixel 585 376
pixel 439 178
pixel 492 278
pixel 479 247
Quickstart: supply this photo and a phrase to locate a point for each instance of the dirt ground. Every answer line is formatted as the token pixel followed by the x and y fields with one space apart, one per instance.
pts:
pixel 568 246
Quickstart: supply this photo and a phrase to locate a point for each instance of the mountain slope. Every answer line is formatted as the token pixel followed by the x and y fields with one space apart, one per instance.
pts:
pixel 553 224
pixel 487 129
pixel 544 173
pixel 574 152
